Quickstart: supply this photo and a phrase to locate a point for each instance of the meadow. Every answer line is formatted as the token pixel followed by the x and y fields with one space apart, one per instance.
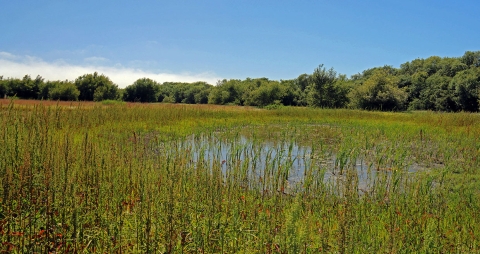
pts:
pixel 173 178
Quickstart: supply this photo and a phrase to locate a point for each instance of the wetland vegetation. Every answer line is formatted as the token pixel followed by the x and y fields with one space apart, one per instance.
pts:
pixel 448 84
pixel 170 178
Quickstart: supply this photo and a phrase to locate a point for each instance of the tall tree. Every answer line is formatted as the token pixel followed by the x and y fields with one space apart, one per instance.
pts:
pixel 96 87
pixel 467 89
pixel 26 88
pixel 471 58
pixel 64 91
pixel 228 92
pixel 321 89
pixel 4 88
pixel 379 92
pixel 142 90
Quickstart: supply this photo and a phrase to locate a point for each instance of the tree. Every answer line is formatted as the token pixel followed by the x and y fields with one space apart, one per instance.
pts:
pixel 379 92
pixel 417 85
pixel 45 88
pixel 64 91
pixel 451 66
pixel 88 85
pixel 26 88
pixel 200 92
pixel 228 92
pixel 409 68
pixel 142 90
pixel 435 94
pixel 471 59
pixel 4 89
pixel 292 94
pixel 106 92
pixel 432 64
pixel 266 93
pixel 322 91
pixel 467 86
pixel 300 85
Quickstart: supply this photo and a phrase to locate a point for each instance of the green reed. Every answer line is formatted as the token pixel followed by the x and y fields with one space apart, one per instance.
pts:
pixel 208 179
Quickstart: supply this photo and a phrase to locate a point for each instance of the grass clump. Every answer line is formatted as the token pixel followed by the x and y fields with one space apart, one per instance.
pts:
pixel 113 102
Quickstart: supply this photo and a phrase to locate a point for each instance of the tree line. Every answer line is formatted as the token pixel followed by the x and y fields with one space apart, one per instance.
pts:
pixel 435 83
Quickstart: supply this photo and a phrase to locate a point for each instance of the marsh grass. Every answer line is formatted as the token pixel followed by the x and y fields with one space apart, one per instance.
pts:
pixel 209 179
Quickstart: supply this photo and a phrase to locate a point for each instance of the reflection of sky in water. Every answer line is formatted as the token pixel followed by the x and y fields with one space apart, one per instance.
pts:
pixel 257 157
pixel 259 154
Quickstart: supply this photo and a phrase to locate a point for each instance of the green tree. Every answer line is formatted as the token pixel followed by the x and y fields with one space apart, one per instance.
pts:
pixel 451 66
pixel 432 64
pixel 322 91
pixel 45 88
pixel 142 90
pixel 409 68
pixel 64 91
pixel 300 85
pixel 471 58
pixel 106 92
pixel 467 87
pixel 200 91
pixel 435 94
pixel 292 93
pixel 4 88
pixel 417 85
pixel 26 88
pixel 227 92
pixel 268 92
pixel 379 92
pixel 88 85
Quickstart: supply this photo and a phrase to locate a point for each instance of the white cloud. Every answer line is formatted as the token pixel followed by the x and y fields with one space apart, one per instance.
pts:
pixel 95 59
pixel 18 66
pixel 6 55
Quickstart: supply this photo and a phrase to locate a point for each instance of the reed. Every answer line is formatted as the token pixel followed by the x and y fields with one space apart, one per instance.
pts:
pixel 168 178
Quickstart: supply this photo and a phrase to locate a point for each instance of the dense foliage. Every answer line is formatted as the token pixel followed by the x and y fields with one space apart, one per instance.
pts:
pixel 440 84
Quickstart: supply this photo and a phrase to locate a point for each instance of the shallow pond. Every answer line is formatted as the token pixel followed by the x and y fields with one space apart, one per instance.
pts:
pixel 286 161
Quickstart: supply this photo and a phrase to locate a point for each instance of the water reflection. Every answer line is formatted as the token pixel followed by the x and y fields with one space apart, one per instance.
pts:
pixel 284 160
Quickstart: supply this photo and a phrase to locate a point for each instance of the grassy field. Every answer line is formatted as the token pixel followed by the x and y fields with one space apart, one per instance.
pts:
pixel 165 178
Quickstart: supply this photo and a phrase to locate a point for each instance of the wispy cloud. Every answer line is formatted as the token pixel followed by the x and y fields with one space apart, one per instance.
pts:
pixel 18 66
pixel 96 60
pixel 6 55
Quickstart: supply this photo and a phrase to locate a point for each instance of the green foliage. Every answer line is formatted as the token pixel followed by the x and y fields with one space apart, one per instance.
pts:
pixel 25 88
pixel 265 92
pixel 227 92
pixel 190 93
pixel 416 84
pixel 471 59
pixel 94 87
pixel 4 87
pixel 113 102
pixel 64 91
pixel 321 88
pixel 142 90
pixel 451 66
pixel 379 92
pixel 435 83
pixel 274 105
pixel 45 88
pixel 435 94
pixel 467 86
pixel 299 88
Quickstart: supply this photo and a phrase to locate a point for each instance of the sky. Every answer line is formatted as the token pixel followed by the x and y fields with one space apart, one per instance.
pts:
pixel 210 40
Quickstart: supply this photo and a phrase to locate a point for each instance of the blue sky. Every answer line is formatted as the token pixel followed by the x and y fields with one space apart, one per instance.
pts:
pixel 208 40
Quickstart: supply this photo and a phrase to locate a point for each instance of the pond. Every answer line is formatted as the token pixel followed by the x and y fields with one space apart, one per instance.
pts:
pixel 286 164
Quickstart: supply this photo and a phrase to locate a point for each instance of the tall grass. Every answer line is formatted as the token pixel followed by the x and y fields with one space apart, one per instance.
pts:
pixel 209 179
